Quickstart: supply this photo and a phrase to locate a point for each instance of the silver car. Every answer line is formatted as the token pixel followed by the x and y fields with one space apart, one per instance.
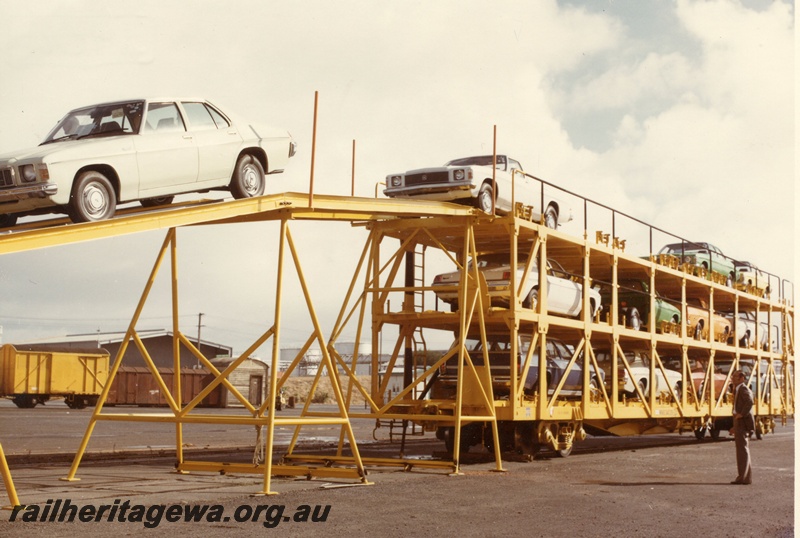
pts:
pixel 470 180
pixel 564 295
pixel 143 149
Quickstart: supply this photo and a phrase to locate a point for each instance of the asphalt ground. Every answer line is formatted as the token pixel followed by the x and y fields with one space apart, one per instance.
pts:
pixel 665 485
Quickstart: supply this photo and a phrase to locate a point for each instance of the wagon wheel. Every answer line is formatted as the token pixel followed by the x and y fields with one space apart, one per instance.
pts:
pixel 24 401
pixel 7 221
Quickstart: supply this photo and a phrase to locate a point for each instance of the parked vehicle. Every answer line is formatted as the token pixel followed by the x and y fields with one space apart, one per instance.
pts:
pixel 469 180
pixel 746 330
pixel 703 255
pixel 639 375
pixel 564 295
pixel 634 305
pixel 698 321
pixel 748 275
pixel 499 353
pixel 698 368
pixel 145 149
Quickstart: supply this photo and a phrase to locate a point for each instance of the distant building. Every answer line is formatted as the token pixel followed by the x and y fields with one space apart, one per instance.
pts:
pixel 249 378
pixel 157 343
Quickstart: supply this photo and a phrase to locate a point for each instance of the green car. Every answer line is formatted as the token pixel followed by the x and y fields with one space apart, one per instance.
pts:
pixel 634 307
pixel 703 255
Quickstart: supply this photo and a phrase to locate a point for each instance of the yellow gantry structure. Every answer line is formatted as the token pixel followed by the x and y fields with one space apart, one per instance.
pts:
pixel 385 296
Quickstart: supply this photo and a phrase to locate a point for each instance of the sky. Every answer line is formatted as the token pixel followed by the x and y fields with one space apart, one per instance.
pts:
pixel 679 113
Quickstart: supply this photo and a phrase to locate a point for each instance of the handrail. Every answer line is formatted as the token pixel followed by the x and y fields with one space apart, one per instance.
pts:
pixel 783 283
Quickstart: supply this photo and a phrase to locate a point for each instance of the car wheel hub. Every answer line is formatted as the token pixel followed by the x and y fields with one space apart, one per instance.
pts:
pixel 251 179
pixel 94 199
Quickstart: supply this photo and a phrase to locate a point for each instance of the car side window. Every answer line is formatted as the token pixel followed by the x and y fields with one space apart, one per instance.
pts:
pixel 219 119
pixel 200 118
pixel 163 117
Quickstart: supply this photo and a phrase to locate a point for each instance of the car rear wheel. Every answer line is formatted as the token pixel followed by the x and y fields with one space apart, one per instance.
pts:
pixel 7 221
pixel 532 300
pixel 634 321
pixel 93 198
pixel 157 201
pixel 248 178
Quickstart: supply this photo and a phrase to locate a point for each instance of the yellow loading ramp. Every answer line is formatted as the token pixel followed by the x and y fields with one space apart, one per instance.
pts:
pixel 283 208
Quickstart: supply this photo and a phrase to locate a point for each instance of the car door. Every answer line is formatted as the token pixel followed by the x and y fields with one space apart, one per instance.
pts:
pixel 218 142
pixel 165 152
pixel 563 295
pixel 524 190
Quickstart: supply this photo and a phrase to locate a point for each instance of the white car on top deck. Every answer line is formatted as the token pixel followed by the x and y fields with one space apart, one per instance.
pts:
pixel 469 180
pixel 141 149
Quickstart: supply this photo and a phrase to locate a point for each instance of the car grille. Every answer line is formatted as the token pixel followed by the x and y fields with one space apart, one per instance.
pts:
pixel 6 177
pixel 430 177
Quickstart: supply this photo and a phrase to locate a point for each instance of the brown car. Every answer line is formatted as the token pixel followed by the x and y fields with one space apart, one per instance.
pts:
pixel 697 321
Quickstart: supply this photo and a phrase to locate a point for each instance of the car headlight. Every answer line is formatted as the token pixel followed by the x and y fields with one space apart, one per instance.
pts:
pixel 28 173
pixel 396 181
pixel 458 175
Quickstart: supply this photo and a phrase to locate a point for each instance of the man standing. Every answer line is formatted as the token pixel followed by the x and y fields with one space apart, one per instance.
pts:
pixel 743 426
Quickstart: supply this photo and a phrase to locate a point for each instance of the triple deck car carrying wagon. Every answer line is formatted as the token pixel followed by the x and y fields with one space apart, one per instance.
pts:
pixel 457 395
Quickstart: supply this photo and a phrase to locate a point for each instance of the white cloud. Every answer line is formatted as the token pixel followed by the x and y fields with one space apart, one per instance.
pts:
pixel 699 144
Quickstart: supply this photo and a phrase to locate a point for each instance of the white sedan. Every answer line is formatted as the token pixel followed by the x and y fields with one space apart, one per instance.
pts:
pixel 564 295
pixel 469 180
pixel 144 149
pixel 639 375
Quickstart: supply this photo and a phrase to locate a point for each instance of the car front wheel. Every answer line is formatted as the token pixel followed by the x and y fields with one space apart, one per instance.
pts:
pixel 93 198
pixel 485 197
pixel 248 178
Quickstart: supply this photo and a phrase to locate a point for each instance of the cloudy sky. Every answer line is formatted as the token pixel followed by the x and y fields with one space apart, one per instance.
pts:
pixel 679 113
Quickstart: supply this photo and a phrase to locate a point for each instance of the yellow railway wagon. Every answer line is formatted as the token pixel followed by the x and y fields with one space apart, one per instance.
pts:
pixel 30 376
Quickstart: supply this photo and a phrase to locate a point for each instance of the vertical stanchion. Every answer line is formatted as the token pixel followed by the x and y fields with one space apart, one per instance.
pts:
pixel 313 153
pixel 12 492
pixel 353 171
pixel 494 167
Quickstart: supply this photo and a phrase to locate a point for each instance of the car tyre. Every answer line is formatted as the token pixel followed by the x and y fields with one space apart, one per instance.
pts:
pixel 93 198
pixel 532 300
pixel 551 217
pixel 485 198
pixel 7 221
pixel 157 201
pixel 248 178
pixel 634 320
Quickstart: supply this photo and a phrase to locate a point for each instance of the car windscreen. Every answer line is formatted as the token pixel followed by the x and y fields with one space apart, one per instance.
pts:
pixel 483 160
pixel 109 119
